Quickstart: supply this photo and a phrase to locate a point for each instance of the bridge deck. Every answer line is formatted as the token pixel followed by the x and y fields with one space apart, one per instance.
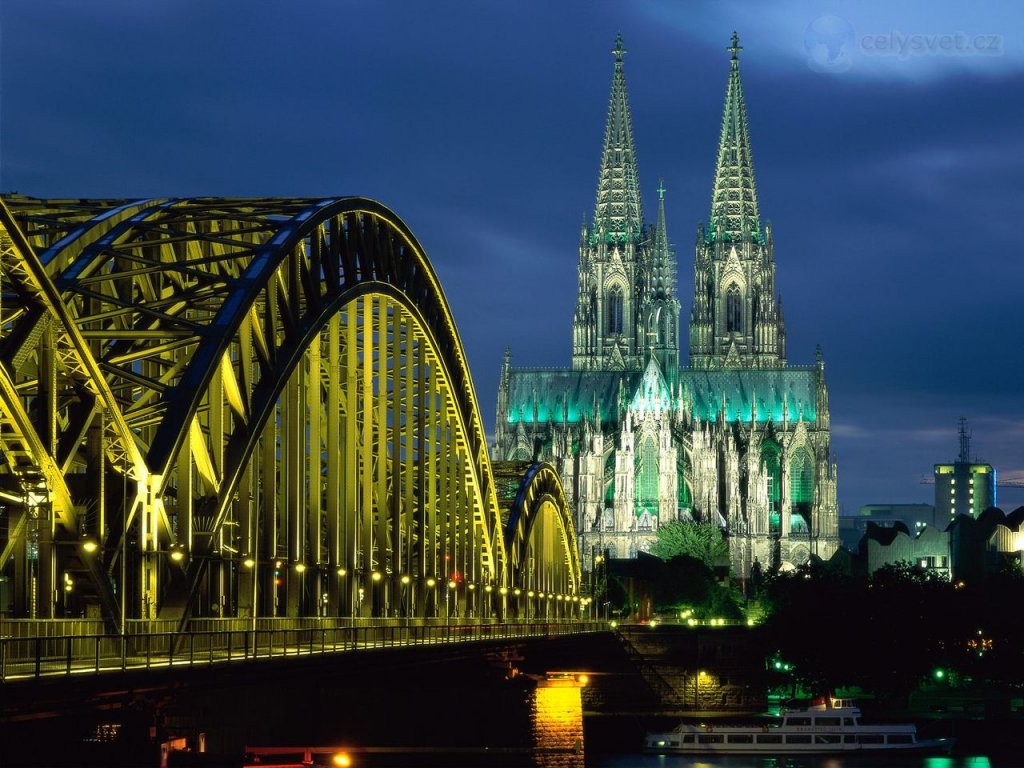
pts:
pixel 26 658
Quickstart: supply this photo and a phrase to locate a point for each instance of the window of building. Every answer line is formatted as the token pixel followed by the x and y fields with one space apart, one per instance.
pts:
pixel 733 310
pixel 801 476
pixel 647 474
pixel 615 311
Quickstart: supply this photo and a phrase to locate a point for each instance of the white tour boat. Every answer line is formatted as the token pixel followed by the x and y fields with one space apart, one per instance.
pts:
pixel 828 725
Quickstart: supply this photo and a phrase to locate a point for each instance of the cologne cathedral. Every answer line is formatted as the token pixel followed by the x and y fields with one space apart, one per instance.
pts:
pixel 738 438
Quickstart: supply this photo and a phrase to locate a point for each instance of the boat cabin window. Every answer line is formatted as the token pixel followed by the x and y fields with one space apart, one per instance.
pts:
pixel 741 738
pixel 798 739
pixel 870 738
pixel 826 721
pixel 798 721
pixel 900 738
pixel 850 738
pixel 828 738
pixel 848 721
pixel 687 739
pixel 769 738
pixel 710 738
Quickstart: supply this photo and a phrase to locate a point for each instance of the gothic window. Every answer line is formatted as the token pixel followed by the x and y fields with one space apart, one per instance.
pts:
pixel 770 462
pixel 609 519
pixel 614 311
pixel 733 310
pixel 647 475
pixel 645 522
pixel 801 470
pixel 662 326
pixel 593 304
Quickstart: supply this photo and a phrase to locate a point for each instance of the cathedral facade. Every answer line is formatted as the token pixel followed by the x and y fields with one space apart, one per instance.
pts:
pixel 739 437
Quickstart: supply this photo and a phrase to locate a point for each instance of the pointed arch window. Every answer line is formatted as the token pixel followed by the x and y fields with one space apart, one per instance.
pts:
pixel 733 310
pixel 615 310
pixel 647 475
pixel 801 477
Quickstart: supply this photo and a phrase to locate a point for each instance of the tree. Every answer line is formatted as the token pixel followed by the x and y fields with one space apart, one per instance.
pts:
pixel 701 541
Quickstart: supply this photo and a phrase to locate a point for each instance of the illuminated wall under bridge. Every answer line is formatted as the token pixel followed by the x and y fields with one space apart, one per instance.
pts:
pixel 250 408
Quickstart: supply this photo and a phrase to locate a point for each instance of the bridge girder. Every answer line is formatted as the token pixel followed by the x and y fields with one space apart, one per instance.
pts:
pixel 279 389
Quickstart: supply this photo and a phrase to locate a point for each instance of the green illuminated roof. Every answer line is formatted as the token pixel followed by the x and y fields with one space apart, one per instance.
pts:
pixel 544 395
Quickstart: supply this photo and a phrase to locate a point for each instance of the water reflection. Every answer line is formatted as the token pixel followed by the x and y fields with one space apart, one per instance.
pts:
pixel 556 715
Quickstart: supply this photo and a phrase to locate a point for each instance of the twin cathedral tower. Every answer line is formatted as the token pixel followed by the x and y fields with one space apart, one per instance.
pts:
pixel 738 438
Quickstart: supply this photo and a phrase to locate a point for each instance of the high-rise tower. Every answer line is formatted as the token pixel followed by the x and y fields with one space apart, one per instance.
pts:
pixel 736 321
pixel 626 289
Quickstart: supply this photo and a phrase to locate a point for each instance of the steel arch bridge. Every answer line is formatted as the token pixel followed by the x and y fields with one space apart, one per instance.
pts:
pixel 251 407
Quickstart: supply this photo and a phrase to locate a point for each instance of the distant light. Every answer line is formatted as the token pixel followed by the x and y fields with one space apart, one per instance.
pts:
pixel 517 591
pixel 431 582
pixel 341 760
pixel 249 562
pixel 406 579
pixel 488 588
pixel 68 587
pixel 939 674
pixel 583 679
pixel 503 590
pixel 452 584
pixel 300 567
pixel 177 555
pixel 342 571
pixel 614 624
pixel 471 586
pixel 376 576
pixel 530 593
pixel 90 545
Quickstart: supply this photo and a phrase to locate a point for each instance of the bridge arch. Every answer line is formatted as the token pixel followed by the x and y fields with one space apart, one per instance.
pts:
pixel 308 439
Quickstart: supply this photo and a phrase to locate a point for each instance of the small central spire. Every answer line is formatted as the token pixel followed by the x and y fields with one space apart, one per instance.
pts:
pixel 619 50
pixel 661 189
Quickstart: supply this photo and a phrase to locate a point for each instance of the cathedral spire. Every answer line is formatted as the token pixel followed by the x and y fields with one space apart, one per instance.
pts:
pixel 734 198
pixel 661 232
pixel 618 213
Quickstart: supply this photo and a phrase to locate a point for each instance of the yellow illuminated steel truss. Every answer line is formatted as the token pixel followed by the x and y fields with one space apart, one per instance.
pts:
pixel 250 407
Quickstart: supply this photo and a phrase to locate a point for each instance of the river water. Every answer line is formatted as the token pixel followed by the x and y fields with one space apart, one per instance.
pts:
pixel 862 761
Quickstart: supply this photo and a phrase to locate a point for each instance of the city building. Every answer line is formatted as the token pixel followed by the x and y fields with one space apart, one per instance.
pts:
pixel 916 517
pixel 738 438
pixel 964 487
pixel 928 549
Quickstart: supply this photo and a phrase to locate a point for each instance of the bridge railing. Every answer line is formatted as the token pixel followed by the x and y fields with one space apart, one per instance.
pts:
pixel 48 656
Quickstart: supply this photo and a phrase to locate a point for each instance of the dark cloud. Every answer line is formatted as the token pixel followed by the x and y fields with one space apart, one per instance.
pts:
pixel 894 188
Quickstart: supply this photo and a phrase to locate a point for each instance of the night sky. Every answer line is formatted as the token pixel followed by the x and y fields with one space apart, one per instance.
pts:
pixel 892 177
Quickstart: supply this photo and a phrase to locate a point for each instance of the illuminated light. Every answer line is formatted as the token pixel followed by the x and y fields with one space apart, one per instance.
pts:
pixel 471 586
pixel 778 665
pixel 342 571
pixel 300 567
pixel 939 674
pixel 750 622
pixel 452 584
pixel 691 622
pixel 614 624
pixel 575 598
pixel 583 679
pixel 68 588
pixel 517 591
pixel 341 760
pixel 431 582
pixel 530 593
pixel 488 588
pixel 406 579
pixel 90 545
pixel 177 555
pixel 249 562
pixel 503 590
pixel 277 563
pixel 550 595
pixel 376 576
